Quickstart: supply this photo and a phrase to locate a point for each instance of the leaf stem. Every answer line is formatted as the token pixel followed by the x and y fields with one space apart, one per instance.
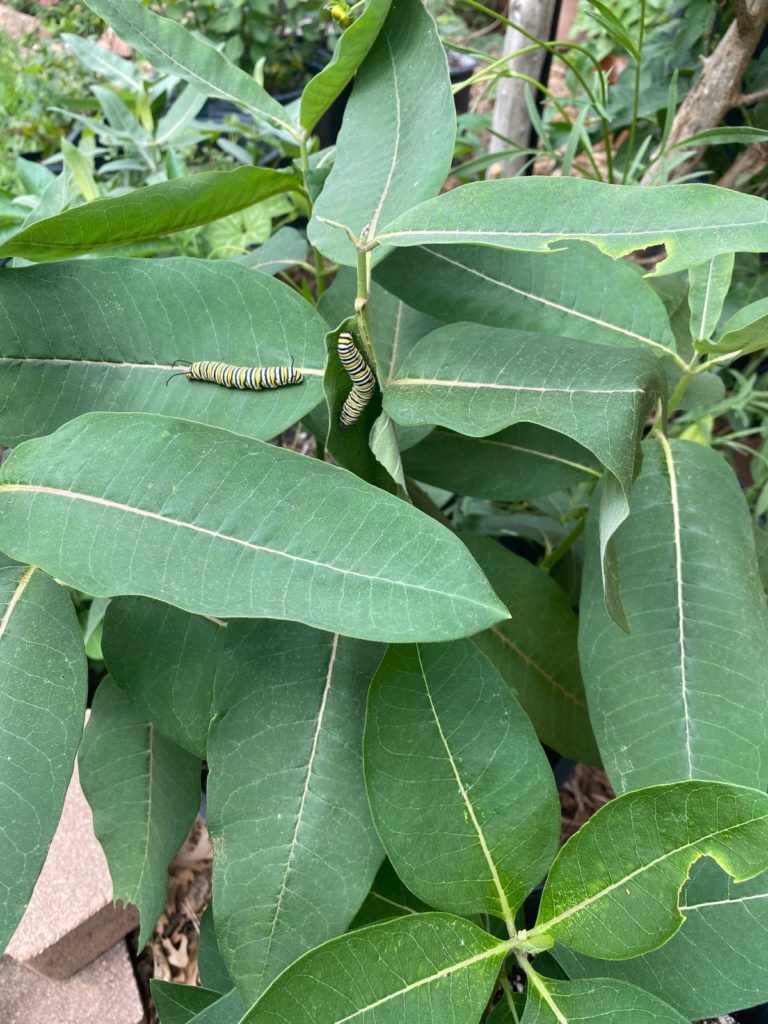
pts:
pixel 507 989
pixel 535 981
pixel 361 302
pixel 553 557
pixel 636 96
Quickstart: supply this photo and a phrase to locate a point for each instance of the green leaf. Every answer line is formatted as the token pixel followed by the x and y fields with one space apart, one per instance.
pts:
pixel 147 212
pixel 388 898
pixel 558 1002
pixel 613 889
pixel 283 250
pixel 295 848
pixel 396 326
pixel 724 135
pixel 350 446
pixel 196 516
pixel 524 461
pixel 694 222
pixel 179 1004
pixel 227 1010
pixel 571 292
pixel 351 50
pixel 708 287
pixel 477 380
pixel 144 792
pixel 440 770
pixel 717 961
pixel 164 660
pixel 746 331
pixel 213 971
pixel 698 630
pixel 172 50
pixel 421 969
pixel 534 650
pixel 43 690
pixel 396 142
pixel 120 324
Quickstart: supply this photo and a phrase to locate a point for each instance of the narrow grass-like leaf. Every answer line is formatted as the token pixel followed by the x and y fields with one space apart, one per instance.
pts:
pixel 535 649
pixel 295 850
pixel 421 969
pixel 613 889
pixel 698 630
pixel 144 792
pixel 92 335
pixel 524 461
pixel 560 1002
pixel 396 142
pixel 694 222
pixel 147 212
pixel 715 964
pixel 571 292
pixel 173 50
pixel 43 691
pixel 223 525
pixel 445 745
pixel 351 50
pixel 164 660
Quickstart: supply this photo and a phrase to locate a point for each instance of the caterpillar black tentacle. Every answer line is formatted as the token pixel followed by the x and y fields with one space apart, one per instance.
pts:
pixel 244 378
pixel 361 375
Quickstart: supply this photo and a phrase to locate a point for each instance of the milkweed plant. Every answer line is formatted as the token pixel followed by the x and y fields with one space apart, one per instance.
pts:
pixel 370 683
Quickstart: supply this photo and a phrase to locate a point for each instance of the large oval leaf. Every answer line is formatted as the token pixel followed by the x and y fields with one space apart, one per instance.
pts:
pixel 524 461
pixel 295 847
pixel 396 141
pixel 423 969
pixel 144 792
pixel 175 51
pixel 147 212
pixel 559 1002
pixel 534 650
pixel 683 694
pixel 164 660
pixel 715 964
pixel 43 690
pixel 571 292
pixel 351 50
pixel 460 789
pixel 223 525
pixel 477 380
pixel 694 222
pixel 613 889
pixel 102 335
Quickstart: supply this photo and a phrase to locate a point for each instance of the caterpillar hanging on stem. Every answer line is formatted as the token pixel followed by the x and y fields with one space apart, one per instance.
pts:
pixel 244 378
pixel 361 375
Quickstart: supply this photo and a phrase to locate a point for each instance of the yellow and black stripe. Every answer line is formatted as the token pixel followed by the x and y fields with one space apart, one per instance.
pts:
pixel 245 378
pixel 361 375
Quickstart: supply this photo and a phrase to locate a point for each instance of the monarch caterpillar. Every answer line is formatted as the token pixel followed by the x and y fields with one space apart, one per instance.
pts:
pixel 363 380
pixel 245 378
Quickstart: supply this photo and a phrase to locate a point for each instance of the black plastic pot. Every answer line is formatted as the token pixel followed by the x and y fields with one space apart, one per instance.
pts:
pixel 757 1015
pixel 461 67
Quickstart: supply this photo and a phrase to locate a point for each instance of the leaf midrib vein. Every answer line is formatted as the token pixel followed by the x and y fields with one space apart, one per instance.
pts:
pixel 509 917
pixel 108 503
